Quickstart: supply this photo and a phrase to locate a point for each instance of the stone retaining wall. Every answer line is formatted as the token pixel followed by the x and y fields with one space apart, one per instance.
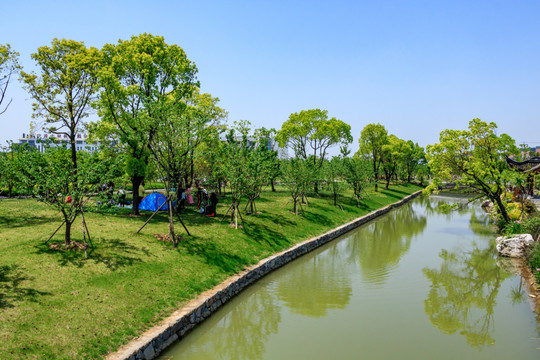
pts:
pixel 154 341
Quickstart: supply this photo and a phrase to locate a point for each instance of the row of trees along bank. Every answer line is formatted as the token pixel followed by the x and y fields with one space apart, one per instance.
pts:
pixel 154 121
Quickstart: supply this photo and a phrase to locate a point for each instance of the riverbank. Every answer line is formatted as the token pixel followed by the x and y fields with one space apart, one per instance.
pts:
pixel 57 304
pixel 173 328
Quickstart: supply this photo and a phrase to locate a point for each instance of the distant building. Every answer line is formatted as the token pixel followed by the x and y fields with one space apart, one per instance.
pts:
pixel 42 141
pixel 531 152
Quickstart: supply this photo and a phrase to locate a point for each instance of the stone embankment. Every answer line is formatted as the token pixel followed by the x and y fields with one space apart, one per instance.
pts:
pixel 150 344
pixel 514 246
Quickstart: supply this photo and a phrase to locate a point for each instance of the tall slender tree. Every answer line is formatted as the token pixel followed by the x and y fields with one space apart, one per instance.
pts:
pixel 372 139
pixel 9 65
pixel 62 92
pixel 136 77
pixel 310 134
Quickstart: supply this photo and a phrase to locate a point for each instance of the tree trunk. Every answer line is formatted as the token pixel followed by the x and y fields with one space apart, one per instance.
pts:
pixel 67 236
pixel 136 181
pixel 295 206
pixel 236 216
pixel 502 209
pixel 335 198
pixel 171 223
pixel 272 184
pixel 73 153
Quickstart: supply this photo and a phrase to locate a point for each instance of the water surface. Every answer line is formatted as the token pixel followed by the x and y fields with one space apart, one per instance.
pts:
pixel 417 283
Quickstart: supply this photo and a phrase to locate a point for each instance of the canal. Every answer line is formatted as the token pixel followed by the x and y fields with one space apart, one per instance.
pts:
pixel 418 283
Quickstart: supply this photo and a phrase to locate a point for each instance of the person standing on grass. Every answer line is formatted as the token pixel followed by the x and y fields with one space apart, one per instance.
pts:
pixel 182 200
pixel 212 203
pixel 189 197
pixel 121 196
pixel 199 196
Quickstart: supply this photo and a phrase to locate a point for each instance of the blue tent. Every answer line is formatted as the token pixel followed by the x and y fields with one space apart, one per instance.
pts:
pixel 153 201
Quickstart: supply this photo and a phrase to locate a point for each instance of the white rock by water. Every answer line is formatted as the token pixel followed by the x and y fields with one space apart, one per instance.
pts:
pixel 514 246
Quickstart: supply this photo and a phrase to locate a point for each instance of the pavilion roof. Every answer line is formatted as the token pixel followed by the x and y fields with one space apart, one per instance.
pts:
pixel 529 165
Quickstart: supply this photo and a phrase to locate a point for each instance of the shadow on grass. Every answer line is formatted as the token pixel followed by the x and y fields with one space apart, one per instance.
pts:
pixel 11 290
pixel 394 194
pixel 212 255
pixel 26 220
pixel 113 253
pixel 261 233
pixel 318 218
pixel 280 220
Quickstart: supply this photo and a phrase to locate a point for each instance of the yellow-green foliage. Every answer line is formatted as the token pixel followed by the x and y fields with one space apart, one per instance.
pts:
pixel 514 214
pixel 507 196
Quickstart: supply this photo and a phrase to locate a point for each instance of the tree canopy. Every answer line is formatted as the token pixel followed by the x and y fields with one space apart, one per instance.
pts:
pixel 310 134
pixel 372 139
pixel 475 158
pixel 64 87
pixel 9 65
pixel 137 78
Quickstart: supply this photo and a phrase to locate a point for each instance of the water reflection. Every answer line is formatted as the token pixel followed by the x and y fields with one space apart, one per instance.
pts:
pixel 241 333
pixel 380 245
pixel 317 285
pixel 463 292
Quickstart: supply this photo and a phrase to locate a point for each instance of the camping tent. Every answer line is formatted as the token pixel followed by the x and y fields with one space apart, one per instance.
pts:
pixel 153 201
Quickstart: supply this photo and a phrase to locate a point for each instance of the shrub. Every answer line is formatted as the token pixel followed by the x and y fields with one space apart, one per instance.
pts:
pixel 530 207
pixel 514 227
pixel 532 226
pixel 514 214
pixel 534 260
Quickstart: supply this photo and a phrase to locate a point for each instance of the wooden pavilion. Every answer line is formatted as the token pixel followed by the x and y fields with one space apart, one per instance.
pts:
pixel 531 167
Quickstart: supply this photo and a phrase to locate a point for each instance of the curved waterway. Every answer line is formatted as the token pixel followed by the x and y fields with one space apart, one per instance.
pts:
pixel 417 283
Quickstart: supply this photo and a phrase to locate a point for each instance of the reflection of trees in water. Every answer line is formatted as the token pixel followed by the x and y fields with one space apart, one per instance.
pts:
pixel 244 330
pixel 318 284
pixel 380 245
pixel 463 293
pixel 481 223
pixel 445 205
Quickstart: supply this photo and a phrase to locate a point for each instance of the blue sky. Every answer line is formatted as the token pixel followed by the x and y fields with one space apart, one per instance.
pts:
pixel 417 67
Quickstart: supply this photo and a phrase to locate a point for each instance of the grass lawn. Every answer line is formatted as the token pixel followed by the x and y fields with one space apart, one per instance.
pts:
pixel 57 304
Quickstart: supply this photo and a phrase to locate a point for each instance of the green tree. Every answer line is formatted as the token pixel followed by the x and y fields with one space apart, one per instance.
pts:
pixel 261 161
pixel 413 156
pixel 62 93
pixel 475 158
pixel 334 173
pixel 235 162
pixel 64 88
pixel 209 159
pixel 372 139
pixel 310 134
pixel 135 78
pixel 392 157
pixel 9 65
pixel 49 176
pixel 202 124
pixel 296 175
pixel 182 125
pixel 358 174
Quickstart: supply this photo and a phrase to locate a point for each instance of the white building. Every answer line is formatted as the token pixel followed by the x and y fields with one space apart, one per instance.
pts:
pixel 42 141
